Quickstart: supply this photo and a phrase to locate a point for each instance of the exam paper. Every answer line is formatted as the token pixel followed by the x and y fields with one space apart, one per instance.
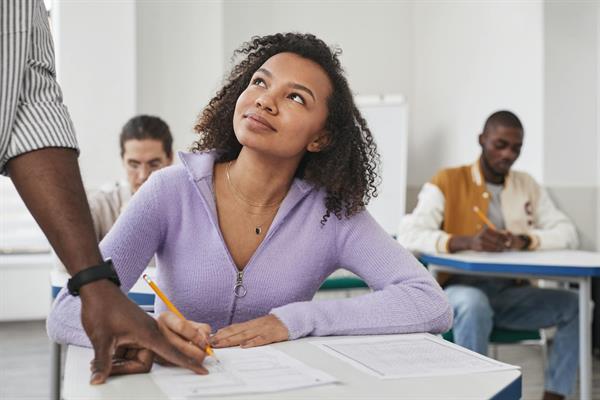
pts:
pixel 254 370
pixel 411 355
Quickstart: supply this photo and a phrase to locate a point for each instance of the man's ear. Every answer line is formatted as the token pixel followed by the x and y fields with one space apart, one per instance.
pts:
pixel 320 143
pixel 481 138
pixel 170 159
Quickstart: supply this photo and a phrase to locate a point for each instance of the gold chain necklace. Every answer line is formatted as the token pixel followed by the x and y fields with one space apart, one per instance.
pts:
pixel 240 196
pixel 257 227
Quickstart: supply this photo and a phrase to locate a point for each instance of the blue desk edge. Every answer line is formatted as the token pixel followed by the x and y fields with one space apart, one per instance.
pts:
pixel 514 390
pixel 546 270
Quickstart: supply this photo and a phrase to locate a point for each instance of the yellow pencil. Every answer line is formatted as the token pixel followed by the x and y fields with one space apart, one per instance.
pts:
pixel 208 350
pixel 483 218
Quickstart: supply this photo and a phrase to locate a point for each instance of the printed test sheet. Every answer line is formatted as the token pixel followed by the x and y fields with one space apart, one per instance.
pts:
pixel 253 370
pixel 410 355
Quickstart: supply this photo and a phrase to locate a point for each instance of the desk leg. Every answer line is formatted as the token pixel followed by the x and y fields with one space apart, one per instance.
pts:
pixel 585 339
pixel 55 374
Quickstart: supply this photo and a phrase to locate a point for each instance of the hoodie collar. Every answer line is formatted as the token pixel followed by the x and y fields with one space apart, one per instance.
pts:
pixel 200 166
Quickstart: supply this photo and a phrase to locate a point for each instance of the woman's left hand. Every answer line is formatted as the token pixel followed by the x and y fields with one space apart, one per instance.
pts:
pixel 256 332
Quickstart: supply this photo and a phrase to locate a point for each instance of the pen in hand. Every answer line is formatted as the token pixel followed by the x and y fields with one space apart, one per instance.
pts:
pixel 208 350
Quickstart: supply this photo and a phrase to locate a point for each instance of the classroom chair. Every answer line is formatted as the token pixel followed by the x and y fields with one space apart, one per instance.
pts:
pixel 501 336
pixel 342 284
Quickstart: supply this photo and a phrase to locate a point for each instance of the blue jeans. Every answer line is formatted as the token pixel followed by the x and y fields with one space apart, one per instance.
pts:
pixel 481 305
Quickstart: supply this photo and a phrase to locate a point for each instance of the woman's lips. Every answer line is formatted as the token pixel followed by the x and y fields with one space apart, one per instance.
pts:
pixel 259 122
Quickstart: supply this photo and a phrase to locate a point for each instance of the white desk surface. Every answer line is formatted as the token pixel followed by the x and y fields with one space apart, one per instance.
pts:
pixel 572 265
pixel 563 258
pixel 542 262
pixel 353 384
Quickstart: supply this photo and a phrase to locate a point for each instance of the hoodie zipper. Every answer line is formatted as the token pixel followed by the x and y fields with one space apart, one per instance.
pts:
pixel 239 290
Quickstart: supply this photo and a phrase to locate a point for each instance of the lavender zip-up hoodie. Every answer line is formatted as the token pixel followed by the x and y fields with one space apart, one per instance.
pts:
pixel 174 215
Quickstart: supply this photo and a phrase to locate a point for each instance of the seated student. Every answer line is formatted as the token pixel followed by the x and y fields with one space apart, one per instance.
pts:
pixel 146 146
pixel 270 202
pixel 526 219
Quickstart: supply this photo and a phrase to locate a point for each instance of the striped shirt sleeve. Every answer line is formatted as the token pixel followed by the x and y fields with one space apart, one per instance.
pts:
pixel 41 119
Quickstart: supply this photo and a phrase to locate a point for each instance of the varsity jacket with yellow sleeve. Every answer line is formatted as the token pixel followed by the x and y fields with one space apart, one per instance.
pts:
pixel 445 208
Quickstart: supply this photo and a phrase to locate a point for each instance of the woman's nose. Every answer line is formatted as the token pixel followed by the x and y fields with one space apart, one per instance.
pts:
pixel 266 103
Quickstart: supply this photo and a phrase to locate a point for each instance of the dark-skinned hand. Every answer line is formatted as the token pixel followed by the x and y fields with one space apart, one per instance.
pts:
pixel 491 240
pixel 120 331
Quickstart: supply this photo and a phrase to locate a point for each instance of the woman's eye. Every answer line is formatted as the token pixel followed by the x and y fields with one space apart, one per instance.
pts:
pixel 259 82
pixel 297 98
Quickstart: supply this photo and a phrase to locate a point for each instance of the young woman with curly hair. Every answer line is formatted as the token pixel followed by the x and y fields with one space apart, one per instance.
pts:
pixel 269 203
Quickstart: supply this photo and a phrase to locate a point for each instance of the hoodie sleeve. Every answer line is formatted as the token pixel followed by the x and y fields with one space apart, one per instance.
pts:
pixel 405 298
pixel 131 244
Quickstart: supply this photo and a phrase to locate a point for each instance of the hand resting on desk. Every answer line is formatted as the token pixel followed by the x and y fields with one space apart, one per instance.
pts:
pixel 487 240
pixel 256 332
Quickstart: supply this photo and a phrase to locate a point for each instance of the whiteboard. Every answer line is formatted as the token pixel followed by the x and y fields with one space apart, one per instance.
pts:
pixel 387 118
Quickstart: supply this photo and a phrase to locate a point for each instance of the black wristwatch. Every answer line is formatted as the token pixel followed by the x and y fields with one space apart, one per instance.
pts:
pixel 105 270
pixel 527 240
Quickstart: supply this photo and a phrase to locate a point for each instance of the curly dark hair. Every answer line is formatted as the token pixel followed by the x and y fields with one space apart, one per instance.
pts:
pixel 347 167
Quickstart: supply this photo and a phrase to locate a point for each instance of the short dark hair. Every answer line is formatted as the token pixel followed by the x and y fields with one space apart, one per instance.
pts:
pixel 346 168
pixel 503 118
pixel 147 127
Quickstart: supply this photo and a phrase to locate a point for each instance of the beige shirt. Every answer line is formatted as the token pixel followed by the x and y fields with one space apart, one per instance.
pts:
pixel 106 205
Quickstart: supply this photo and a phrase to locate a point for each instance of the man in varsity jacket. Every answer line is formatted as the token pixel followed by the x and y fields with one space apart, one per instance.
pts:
pixel 525 220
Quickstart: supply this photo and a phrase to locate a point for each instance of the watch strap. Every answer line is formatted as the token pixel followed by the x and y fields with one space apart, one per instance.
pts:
pixel 526 240
pixel 104 270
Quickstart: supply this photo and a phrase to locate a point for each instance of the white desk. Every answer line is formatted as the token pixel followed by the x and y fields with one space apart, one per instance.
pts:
pixel 353 384
pixel 569 265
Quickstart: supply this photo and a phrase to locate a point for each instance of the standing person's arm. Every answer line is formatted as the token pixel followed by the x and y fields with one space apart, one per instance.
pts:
pixel 43 166
pixel 48 180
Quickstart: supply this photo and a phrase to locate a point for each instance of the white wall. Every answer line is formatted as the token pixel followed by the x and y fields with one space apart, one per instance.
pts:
pixel 570 94
pixel 598 127
pixel 179 61
pixel 456 62
pixel 570 111
pixel 375 36
pixel 96 67
pixel 471 59
pixel 119 59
